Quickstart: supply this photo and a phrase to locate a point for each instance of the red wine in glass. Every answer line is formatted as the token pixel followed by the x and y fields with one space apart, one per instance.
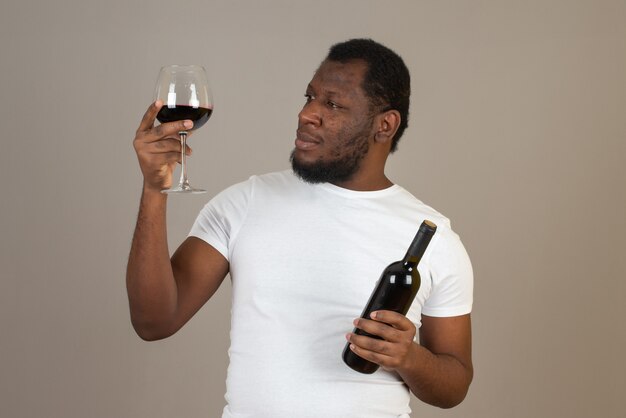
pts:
pixel 198 115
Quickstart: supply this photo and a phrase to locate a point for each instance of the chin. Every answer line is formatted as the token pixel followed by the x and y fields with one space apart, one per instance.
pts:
pixel 305 156
pixel 318 171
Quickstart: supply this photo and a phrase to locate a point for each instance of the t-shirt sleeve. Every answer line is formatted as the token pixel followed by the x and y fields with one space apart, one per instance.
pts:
pixel 452 277
pixel 221 218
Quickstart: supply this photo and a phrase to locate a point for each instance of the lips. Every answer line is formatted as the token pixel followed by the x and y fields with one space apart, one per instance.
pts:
pixel 305 141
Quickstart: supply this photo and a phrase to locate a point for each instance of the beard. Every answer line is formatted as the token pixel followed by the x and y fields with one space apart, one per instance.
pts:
pixel 336 170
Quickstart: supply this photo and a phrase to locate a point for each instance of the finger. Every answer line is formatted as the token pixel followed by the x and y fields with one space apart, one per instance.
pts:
pixel 370 344
pixel 165 146
pixel 383 360
pixel 389 355
pixel 147 122
pixel 172 158
pixel 188 151
pixel 171 129
pixel 379 329
pixel 395 319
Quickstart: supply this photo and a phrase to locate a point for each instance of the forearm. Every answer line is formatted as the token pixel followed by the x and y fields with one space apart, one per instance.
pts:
pixel 150 282
pixel 437 379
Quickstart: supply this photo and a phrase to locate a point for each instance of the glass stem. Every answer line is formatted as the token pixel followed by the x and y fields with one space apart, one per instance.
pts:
pixel 184 183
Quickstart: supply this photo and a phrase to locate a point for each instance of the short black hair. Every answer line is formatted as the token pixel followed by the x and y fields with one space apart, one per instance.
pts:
pixel 387 82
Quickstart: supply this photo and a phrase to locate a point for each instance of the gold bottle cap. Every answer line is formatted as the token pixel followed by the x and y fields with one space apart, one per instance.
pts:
pixel 430 224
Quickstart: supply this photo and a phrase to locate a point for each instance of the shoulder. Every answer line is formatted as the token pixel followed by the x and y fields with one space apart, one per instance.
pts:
pixel 240 196
pixel 276 180
pixel 411 206
pixel 446 255
pixel 450 272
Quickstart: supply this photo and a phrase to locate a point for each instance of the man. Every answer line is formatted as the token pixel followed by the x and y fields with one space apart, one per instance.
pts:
pixel 304 248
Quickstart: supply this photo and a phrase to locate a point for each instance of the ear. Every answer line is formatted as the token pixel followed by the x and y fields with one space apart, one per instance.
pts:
pixel 387 124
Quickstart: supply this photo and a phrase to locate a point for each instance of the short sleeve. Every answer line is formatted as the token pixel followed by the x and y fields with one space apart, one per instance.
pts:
pixel 222 217
pixel 452 277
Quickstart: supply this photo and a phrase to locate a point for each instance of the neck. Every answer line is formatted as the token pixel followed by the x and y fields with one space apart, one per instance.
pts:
pixel 360 184
pixel 371 174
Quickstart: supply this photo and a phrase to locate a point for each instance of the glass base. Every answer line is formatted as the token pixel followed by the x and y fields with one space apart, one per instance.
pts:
pixel 186 188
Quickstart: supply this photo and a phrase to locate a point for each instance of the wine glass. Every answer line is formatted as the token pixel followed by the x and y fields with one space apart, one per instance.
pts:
pixel 186 94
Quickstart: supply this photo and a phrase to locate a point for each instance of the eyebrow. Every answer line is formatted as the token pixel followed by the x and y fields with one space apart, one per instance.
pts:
pixel 330 93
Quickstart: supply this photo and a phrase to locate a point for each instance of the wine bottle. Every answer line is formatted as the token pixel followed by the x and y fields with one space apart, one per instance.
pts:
pixel 394 291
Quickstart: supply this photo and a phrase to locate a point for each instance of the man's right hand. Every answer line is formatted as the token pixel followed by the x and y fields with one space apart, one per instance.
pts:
pixel 158 148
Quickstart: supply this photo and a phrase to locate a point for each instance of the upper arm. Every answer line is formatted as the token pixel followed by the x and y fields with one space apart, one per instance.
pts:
pixel 450 336
pixel 198 269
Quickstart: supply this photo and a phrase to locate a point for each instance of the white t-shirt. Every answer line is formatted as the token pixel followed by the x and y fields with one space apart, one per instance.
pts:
pixel 303 260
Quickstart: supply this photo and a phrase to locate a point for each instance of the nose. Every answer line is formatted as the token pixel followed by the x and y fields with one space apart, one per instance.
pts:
pixel 310 115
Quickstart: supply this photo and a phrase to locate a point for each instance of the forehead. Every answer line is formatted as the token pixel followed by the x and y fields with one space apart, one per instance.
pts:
pixel 340 77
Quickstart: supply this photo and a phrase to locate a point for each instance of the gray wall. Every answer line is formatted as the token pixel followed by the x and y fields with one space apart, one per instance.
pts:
pixel 518 134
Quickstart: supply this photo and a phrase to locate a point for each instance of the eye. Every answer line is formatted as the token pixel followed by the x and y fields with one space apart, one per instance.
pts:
pixel 333 105
pixel 308 97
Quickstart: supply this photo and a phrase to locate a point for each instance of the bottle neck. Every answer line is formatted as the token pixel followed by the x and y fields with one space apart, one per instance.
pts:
pixel 411 260
pixel 417 248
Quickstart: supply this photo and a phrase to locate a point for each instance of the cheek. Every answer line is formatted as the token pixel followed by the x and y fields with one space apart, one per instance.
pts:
pixel 343 132
pixel 354 134
pixel 342 137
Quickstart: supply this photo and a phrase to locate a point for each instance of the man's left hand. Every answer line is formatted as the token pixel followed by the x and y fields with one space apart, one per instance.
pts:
pixel 395 349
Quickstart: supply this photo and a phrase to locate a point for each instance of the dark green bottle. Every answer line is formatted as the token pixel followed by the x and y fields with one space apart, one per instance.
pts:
pixel 395 291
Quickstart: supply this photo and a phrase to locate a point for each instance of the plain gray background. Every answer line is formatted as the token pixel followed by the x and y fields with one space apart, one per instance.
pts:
pixel 517 133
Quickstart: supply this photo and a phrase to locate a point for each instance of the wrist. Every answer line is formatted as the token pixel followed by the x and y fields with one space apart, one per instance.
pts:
pixel 148 189
pixel 412 360
pixel 152 194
